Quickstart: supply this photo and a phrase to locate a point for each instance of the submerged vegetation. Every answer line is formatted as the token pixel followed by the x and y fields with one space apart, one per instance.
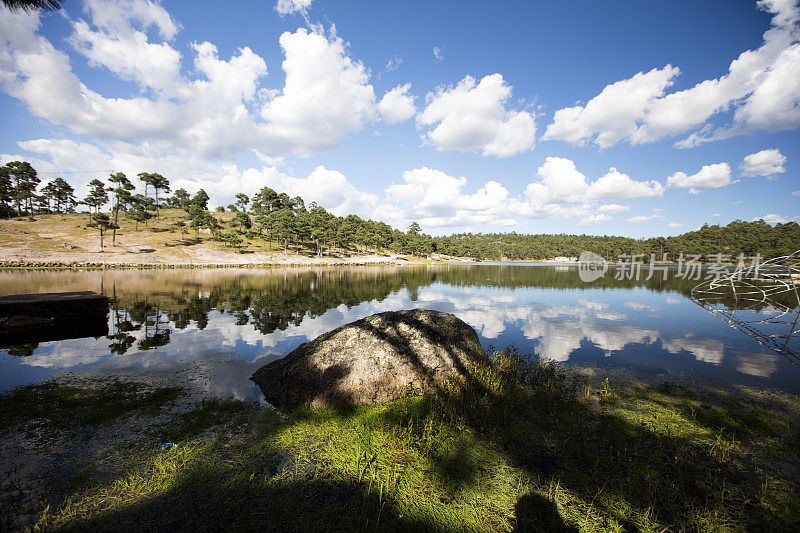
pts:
pixel 520 444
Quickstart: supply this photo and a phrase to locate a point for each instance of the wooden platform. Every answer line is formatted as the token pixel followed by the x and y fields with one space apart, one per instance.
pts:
pixel 33 318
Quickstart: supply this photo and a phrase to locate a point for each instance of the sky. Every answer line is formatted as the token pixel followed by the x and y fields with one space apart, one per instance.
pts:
pixel 635 118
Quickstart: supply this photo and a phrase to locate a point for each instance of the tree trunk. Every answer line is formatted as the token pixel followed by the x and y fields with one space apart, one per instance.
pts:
pixel 101 239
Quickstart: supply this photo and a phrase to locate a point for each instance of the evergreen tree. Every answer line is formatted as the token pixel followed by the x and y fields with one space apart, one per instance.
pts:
pixel 180 199
pixel 140 211
pixel 24 179
pixel 103 223
pixel 122 197
pixel 201 199
pixel 6 190
pixel 98 196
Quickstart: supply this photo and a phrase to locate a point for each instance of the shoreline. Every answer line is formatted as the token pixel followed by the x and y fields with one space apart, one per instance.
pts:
pixel 365 260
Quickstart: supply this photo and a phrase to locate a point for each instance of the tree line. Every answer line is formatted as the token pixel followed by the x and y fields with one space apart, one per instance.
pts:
pixel 288 222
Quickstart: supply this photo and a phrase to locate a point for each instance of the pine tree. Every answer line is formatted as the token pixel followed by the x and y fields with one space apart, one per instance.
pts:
pixel 103 223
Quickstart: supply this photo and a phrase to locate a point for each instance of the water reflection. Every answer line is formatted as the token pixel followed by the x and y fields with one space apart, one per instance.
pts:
pixel 226 323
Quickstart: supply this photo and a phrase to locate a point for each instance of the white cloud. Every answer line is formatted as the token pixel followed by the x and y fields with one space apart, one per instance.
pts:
pixel 709 177
pixel 288 7
pixel 326 95
pixel 118 41
pixel 795 193
pixel 437 54
pixel 772 218
pixel 215 112
pixel 764 163
pixel 644 218
pixel 615 184
pixel 397 105
pixel 435 199
pixel 595 219
pixel 675 225
pixel 394 63
pixel 613 114
pixel 759 86
pixel 560 182
pixel 116 16
pixel 613 208
pixel 474 117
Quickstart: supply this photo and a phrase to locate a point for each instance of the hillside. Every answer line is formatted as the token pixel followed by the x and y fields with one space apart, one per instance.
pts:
pixel 65 239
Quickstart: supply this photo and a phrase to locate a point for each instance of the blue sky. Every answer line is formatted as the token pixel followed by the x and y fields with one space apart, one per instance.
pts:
pixel 630 118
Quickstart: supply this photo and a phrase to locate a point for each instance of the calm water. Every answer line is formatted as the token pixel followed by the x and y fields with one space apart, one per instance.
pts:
pixel 227 323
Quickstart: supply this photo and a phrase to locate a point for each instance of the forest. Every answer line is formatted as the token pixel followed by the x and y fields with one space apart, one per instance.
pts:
pixel 292 224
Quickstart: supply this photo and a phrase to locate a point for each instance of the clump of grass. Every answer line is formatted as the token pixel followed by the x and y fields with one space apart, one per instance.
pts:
pixel 88 402
pixel 519 444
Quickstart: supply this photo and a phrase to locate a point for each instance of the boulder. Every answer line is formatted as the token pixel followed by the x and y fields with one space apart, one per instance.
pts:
pixel 373 359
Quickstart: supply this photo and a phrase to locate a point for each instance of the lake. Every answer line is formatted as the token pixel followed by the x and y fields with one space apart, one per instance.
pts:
pixel 218 326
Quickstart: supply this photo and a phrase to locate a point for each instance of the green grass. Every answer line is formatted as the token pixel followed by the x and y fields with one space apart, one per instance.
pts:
pixel 520 444
pixel 95 402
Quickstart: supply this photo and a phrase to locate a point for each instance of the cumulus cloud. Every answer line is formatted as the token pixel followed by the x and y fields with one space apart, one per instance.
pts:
pixel 397 105
pixel 435 199
pixel 764 163
pixel 222 111
pixel 326 94
pixel 772 218
pixel 437 54
pixel 615 184
pixel 709 177
pixel 759 87
pixel 474 117
pixel 613 114
pixel 560 182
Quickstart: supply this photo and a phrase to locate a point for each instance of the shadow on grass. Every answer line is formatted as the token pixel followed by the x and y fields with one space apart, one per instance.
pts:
pixel 513 445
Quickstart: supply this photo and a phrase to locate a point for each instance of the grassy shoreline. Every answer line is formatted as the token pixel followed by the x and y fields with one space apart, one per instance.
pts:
pixel 520 445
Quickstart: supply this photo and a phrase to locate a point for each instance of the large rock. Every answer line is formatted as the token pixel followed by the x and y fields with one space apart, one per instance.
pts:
pixel 373 359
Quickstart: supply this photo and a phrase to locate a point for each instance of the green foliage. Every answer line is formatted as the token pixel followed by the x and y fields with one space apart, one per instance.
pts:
pixel 200 199
pixel 510 446
pixel 748 238
pixel 180 199
pixel 70 406
pixel 24 182
pixel 98 195
pixel 60 196
pixel 103 222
